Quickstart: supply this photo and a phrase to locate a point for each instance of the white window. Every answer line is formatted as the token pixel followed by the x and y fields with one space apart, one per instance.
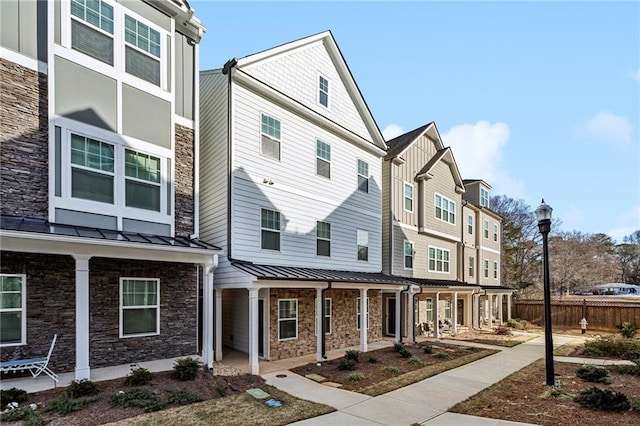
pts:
pixel 323 91
pixel 92 169
pixel 139 306
pixel 327 316
pixel 429 310
pixel 408 197
pixel 323 238
pixel 13 309
pixel 142 50
pixel 486 269
pixel 445 209
pixel 486 229
pixel 363 176
pixel 470 224
pixel 438 260
pixel 287 319
pixel 408 254
pixel 447 308
pixel 270 137
pixel 92 29
pixel 362 242
pixel 270 229
pixel 142 182
pixel 484 197
pixel 323 159
pixel 495 270
pixel 471 266
pixel 495 232
pixel 358 312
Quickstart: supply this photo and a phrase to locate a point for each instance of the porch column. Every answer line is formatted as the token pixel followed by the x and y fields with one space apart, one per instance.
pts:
pixel 455 312
pixel 398 329
pixel 490 303
pixel 436 302
pixel 509 302
pixel 319 319
pixel 411 320
pixel 469 314
pixel 217 350
pixel 254 366
pixel 500 300
pixel 207 317
pixel 364 320
pixel 83 370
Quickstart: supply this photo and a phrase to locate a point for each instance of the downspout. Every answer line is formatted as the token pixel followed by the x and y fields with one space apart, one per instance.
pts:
pixel 391 216
pixel 463 245
pixel 413 301
pixel 323 347
pixel 402 311
pixel 196 142
pixel 227 70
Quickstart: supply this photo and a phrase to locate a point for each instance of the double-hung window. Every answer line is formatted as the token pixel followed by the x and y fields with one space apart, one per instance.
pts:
pixel 323 159
pixel 486 269
pixel 327 316
pixel 471 266
pixel 358 312
pixel 438 260
pixel 13 315
pixel 142 182
pixel 92 169
pixel 470 224
pixel 486 229
pixel 363 176
pixel 323 238
pixel 408 197
pixel 92 28
pixel 408 254
pixel 495 232
pixel 495 270
pixel 287 319
pixel 139 306
pixel 323 91
pixel 447 308
pixel 429 310
pixel 445 209
pixel 362 241
pixel 270 137
pixel 270 232
pixel 142 50
pixel 484 197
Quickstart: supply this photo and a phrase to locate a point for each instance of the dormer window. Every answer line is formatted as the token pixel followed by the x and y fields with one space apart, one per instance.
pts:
pixel 323 91
pixel 484 197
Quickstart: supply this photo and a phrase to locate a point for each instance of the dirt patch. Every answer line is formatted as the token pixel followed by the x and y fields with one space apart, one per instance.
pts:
pixel 500 337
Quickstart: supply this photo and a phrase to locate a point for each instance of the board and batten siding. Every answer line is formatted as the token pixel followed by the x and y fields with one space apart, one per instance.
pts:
pixel 297 73
pixel 421 244
pixel 443 184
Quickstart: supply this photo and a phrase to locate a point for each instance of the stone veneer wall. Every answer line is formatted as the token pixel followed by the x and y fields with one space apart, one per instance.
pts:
pixel 344 321
pixel 178 312
pixel 50 307
pixel 184 165
pixel 24 162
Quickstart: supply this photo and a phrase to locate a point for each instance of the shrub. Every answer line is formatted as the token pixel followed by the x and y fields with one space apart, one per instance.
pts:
pixel 592 351
pixel 502 331
pixel 138 376
pixel 428 349
pixel 614 346
pixel 186 369
pixel 65 404
pixel 352 354
pixel 397 346
pixel 26 414
pixel 628 330
pixel 603 399
pixel 393 370
pixel 632 370
pixel 442 355
pixel 137 397
pixel 636 405
pixel 182 397
pixel 12 395
pixel 372 360
pixel 347 364
pixel 221 389
pixel 405 353
pixel 355 377
pixel 518 323
pixel 591 373
pixel 80 388
pixel 415 361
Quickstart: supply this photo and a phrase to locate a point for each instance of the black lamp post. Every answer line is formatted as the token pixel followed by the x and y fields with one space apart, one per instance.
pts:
pixel 543 213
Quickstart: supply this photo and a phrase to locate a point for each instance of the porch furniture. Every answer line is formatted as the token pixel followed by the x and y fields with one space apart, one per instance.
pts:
pixel 34 365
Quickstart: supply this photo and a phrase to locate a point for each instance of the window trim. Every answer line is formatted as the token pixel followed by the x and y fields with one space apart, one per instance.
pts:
pixel 319 158
pixel 358 230
pixel 470 224
pixel 122 307
pixel 142 181
pixel 447 307
pixel 495 232
pixel 484 197
pixel 495 270
pixel 444 262
pixel 405 198
pixel 278 231
pixel 320 91
pixel 358 316
pixel 486 268
pixel 323 239
pixel 287 319
pixel 358 174
pixel 429 309
pixel 404 250
pixel 22 310
pixel 273 138
pixel 449 213
pixel 471 265
pixel 328 316
pixel 486 229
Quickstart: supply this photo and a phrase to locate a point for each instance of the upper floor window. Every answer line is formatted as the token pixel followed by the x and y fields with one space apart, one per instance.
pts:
pixel 486 269
pixel 363 176
pixel 142 183
pixel 470 224
pixel 270 232
pixel 408 254
pixel 270 137
pixel 96 38
pixel 323 91
pixel 438 260
pixel 323 159
pixel 471 266
pixel 484 197
pixel 408 197
pixel 142 52
pixel 495 270
pixel 323 238
pixel 363 244
pixel 495 232
pixel 92 169
pixel 13 315
pixel 139 306
pixel 486 229
pixel 445 209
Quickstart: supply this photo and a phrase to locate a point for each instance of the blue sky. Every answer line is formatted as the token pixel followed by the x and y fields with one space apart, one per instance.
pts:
pixel 539 99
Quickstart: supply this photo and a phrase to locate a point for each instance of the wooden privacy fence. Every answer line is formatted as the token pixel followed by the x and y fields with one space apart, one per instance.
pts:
pixel 602 315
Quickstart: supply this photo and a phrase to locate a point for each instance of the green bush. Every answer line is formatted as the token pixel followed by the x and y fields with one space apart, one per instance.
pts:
pixel 12 395
pixel 138 376
pixel 352 354
pixel 347 364
pixel 372 360
pixel 415 361
pixel 26 414
pixel 393 370
pixel 628 330
pixel 636 405
pixel 405 353
pixel 592 351
pixel 182 397
pixel 80 388
pixel 65 404
pixel 632 370
pixel 591 373
pixel 397 346
pixel 603 399
pixel 355 377
pixel 137 397
pixel 442 355
pixel 186 369
pixel 428 349
pixel 613 346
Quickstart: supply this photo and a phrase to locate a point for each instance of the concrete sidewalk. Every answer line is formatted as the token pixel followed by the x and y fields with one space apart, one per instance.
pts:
pixel 425 402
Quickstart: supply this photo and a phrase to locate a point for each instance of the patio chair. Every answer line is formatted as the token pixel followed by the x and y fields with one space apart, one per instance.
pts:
pixel 34 365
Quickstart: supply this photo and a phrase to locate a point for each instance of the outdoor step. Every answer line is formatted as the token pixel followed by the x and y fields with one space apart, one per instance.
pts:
pixel 316 377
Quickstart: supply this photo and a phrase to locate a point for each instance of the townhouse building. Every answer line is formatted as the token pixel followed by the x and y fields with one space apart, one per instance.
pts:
pixel 291 190
pixel 99 186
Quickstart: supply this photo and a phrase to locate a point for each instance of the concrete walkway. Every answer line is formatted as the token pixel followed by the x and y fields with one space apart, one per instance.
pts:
pixel 425 402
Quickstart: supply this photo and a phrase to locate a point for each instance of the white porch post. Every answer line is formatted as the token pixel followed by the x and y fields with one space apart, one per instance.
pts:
pixel 207 317
pixel 500 299
pixel 217 349
pixel 455 312
pixel 474 310
pixel 364 320
pixel 83 370
pixel 469 308
pixel 254 366
pixel 436 329
pixel 319 319
pixel 490 302
pixel 398 329
pixel 411 320
pixel 509 302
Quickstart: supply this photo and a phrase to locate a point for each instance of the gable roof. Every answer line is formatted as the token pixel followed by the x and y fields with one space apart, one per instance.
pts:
pixel 342 68
pixel 443 154
pixel 397 146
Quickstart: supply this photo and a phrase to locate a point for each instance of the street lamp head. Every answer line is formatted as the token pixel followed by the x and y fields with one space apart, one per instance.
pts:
pixel 543 212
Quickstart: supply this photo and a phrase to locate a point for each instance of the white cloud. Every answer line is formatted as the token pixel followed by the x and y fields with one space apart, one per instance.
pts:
pixel 391 131
pixel 572 218
pixel 606 127
pixel 626 223
pixel 477 149
pixel 635 75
